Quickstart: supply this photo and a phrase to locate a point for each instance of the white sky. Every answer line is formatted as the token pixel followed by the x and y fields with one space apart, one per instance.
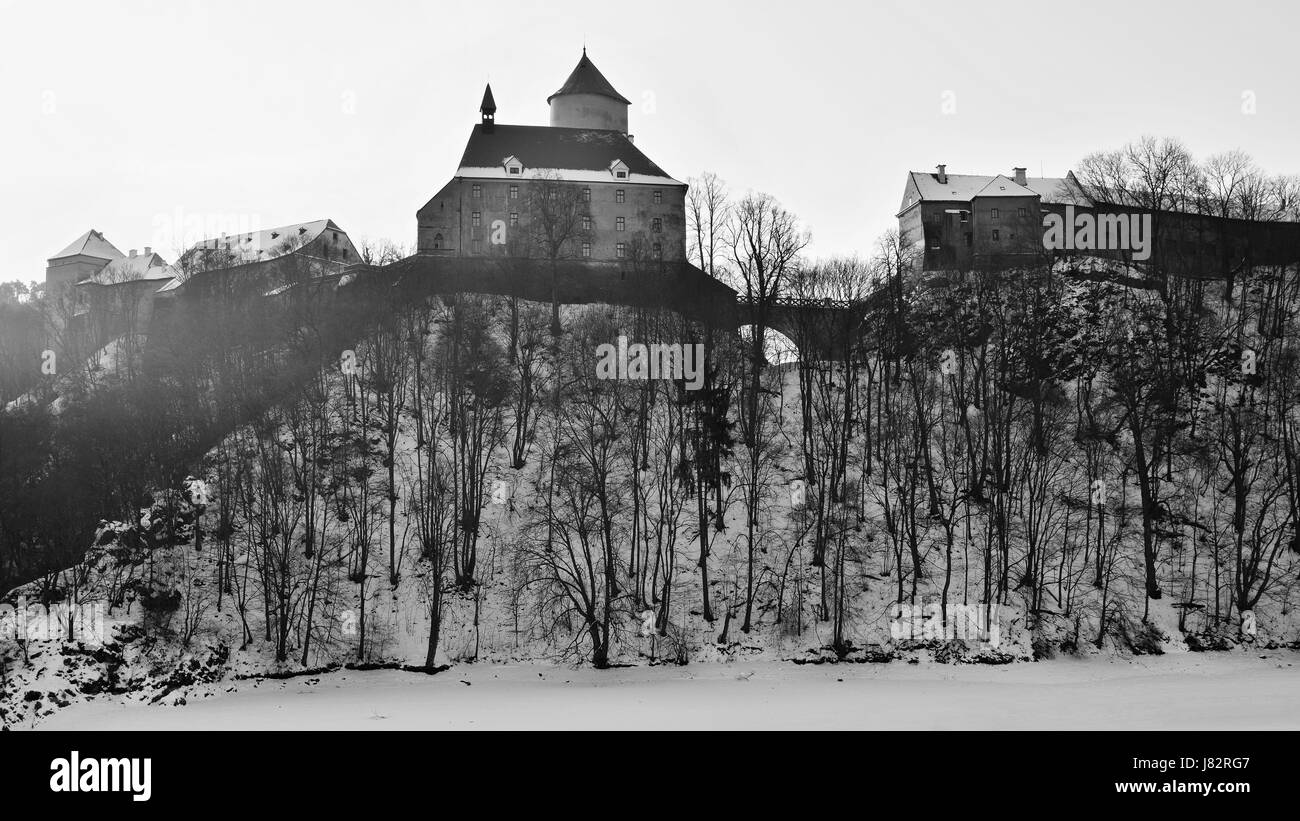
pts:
pixel 148 120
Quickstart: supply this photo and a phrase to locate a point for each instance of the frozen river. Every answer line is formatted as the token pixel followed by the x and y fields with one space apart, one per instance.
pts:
pixel 1188 691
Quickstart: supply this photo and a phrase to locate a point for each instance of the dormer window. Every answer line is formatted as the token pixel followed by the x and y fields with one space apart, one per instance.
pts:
pixel 619 169
pixel 514 167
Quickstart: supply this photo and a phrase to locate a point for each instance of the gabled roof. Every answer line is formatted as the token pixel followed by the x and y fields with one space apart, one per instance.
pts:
pixel 91 244
pixel 581 151
pixel 142 267
pixel 965 187
pixel 587 79
pixel 1001 186
pixel 268 243
pixel 256 246
pixel 1065 190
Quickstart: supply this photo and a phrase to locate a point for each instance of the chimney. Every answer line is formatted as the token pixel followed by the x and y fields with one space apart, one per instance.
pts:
pixel 131 253
pixel 943 174
pixel 1020 176
pixel 148 251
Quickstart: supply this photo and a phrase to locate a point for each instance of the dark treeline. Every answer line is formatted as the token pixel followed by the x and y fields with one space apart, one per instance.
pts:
pixel 99 436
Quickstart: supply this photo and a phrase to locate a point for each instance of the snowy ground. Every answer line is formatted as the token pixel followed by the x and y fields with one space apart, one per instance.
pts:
pixel 1188 691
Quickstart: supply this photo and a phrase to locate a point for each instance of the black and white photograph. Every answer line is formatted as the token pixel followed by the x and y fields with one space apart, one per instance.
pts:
pixel 927 372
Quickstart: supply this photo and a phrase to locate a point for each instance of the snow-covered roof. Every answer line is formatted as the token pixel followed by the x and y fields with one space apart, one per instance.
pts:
pixel 1065 190
pixel 142 267
pixel 91 244
pixel 965 187
pixel 1001 186
pixel 266 244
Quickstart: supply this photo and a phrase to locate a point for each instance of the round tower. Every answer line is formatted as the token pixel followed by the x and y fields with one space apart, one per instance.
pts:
pixel 587 100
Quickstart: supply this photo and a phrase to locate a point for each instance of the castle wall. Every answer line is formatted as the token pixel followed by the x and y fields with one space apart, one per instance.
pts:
pixel 450 214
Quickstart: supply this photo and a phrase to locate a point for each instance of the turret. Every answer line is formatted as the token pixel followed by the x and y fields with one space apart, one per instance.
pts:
pixel 587 100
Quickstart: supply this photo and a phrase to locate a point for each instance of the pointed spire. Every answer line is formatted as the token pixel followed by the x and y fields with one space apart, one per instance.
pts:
pixel 488 109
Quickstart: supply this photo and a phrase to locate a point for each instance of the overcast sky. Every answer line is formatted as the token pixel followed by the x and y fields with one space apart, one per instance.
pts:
pixel 147 119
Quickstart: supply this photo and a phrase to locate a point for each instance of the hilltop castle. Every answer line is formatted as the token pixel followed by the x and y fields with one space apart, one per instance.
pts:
pixel 629 207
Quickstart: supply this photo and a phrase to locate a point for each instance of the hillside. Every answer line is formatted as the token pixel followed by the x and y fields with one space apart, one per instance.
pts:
pixel 457 486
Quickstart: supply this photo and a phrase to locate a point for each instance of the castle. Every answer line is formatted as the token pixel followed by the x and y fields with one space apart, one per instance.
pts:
pixel 627 206
pixel 512 180
pixel 966 221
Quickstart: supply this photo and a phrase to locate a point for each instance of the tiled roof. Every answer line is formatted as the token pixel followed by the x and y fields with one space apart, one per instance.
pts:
pixel 587 79
pixel 553 148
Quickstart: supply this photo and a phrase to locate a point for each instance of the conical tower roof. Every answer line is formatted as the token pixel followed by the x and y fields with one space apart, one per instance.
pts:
pixel 587 79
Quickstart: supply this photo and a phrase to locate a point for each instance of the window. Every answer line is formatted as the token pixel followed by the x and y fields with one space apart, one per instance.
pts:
pixel 620 250
pixel 996 235
pixel 477 191
pixel 620 224
pixel 586 249
pixel 965 216
pixel 586 222
pixel 514 192
pixel 618 195
pixel 586 195
pixel 657 225
pixel 336 236
pixel 476 218
pixel 622 175
pixel 514 218
pixel 658 251
pixel 994 213
pixel 514 169
pixel 1022 213
pixel 659 197
pixel 437 242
